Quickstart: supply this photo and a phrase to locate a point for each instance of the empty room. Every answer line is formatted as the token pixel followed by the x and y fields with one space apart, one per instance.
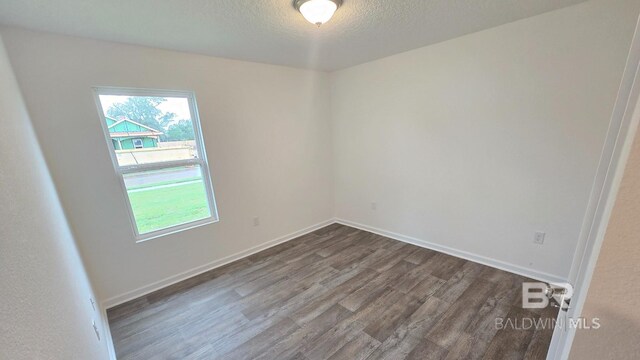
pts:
pixel 319 179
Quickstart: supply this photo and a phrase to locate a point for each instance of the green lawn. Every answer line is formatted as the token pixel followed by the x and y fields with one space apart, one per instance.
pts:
pixel 156 209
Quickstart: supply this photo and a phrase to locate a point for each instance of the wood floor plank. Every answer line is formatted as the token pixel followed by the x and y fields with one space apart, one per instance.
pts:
pixel 467 347
pixel 330 298
pixel 168 292
pixel 509 344
pixel 539 344
pixel 284 301
pixel 161 345
pixel 335 293
pixel 335 247
pixel 298 356
pixel 483 325
pixel 241 334
pixel 388 321
pixel 306 334
pixel 453 288
pixel 332 340
pixel 275 276
pixel 260 283
pixel 428 286
pixel 349 256
pixel 251 348
pixel 375 241
pixel 211 328
pixel 420 256
pixel 460 314
pixel 349 328
pixel 412 331
pixel 393 258
pixel 344 275
pixel 359 348
pixel 448 268
pixel 376 256
pixel 372 289
pixel 412 278
pixel 426 350
pixel 399 346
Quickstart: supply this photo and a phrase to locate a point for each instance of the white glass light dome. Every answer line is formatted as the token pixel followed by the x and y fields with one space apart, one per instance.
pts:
pixel 317 12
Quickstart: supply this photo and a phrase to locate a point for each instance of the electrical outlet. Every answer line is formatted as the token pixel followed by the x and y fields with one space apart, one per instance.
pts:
pixel 374 206
pixel 95 328
pixel 256 221
pixel 538 238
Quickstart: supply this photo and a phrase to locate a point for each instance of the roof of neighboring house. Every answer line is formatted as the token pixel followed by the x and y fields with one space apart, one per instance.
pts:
pixel 138 129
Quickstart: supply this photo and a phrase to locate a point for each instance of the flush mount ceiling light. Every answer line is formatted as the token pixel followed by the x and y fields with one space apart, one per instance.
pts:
pixel 317 12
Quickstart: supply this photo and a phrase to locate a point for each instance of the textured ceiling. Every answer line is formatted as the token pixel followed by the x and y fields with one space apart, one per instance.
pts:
pixel 272 31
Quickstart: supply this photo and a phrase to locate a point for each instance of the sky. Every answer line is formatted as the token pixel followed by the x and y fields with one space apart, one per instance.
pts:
pixel 179 106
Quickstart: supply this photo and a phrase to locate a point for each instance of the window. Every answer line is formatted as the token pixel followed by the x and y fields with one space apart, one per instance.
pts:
pixel 157 149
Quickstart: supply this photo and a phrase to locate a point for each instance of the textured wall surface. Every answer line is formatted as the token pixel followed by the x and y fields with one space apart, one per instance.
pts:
pixel 45 311
pixel 272 31
pixel 614 294
pixel 479 142
pixel 267 137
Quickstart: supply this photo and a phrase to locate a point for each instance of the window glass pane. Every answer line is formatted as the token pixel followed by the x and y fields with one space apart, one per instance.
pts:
pixel 167 197
pixel 149 129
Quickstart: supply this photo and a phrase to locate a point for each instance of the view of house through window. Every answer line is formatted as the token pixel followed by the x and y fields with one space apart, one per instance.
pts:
pixel 156 146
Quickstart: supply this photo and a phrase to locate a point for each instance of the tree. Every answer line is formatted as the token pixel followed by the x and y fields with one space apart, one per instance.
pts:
pixel 143 109
pixel 180 131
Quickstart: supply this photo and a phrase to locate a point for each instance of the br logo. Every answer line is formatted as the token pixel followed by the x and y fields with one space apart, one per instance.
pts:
pixel 536 295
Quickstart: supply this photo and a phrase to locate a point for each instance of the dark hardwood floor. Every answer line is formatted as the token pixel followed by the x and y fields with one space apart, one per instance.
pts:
pixel 337 293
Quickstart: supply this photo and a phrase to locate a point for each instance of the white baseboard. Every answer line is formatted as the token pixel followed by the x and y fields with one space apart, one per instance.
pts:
pixel 144 290
pixel 106 333
pixel 516 269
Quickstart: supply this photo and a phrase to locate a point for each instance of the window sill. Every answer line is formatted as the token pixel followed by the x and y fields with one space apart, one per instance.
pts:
pixel 175 229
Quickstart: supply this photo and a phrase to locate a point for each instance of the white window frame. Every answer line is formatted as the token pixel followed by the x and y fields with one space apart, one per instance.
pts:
pixel 133 141
pixel 200 161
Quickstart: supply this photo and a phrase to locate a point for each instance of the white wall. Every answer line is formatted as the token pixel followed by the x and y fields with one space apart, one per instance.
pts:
pixel 267 137
pixel 45 311
pixel 476 143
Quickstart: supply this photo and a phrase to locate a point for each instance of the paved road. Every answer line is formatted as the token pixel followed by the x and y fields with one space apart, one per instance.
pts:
pixel 163 175
pixel 164 186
